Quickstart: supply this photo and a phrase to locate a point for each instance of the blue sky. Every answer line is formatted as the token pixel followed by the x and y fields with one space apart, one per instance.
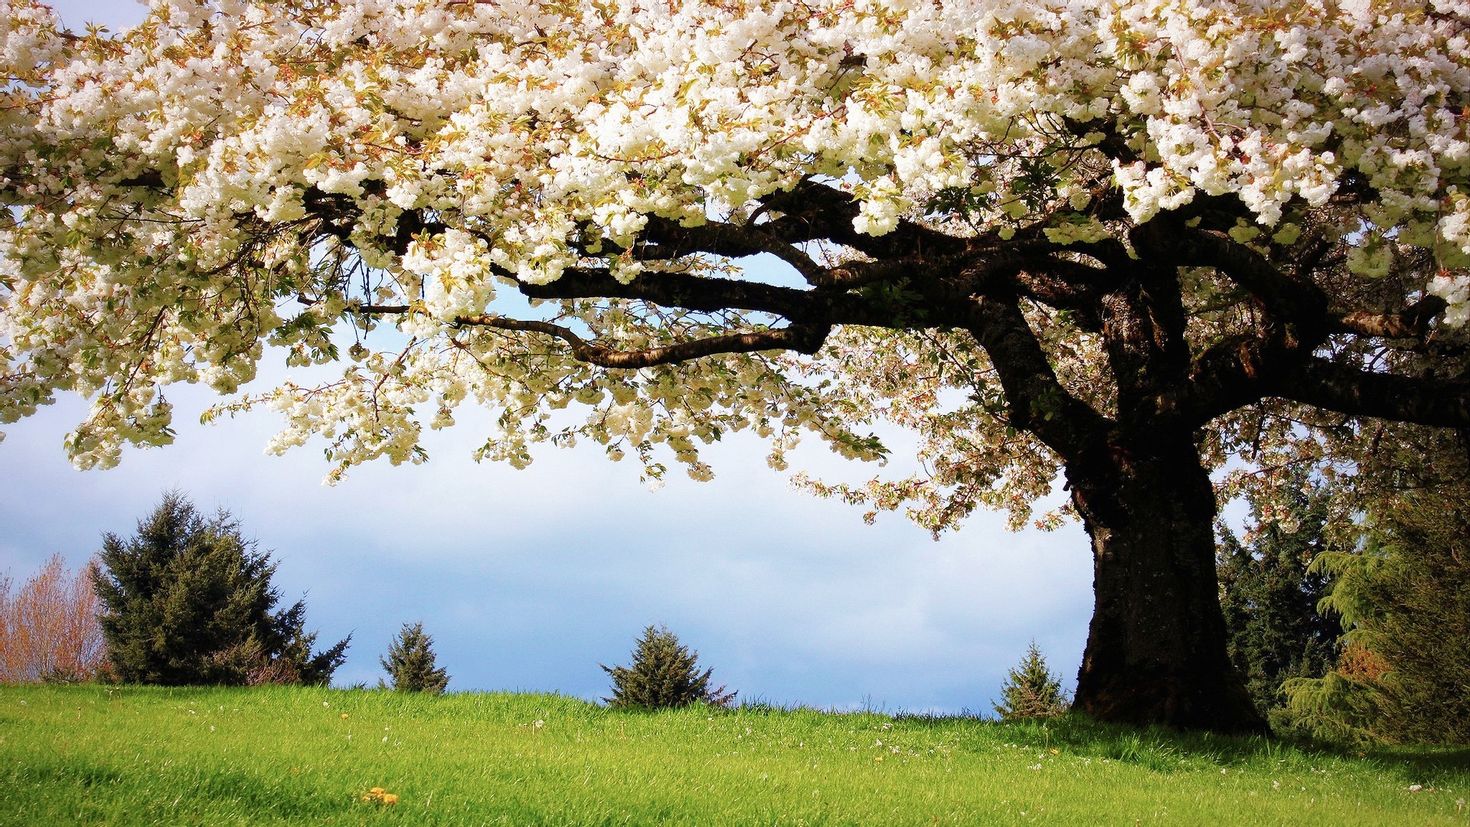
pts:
pixel 529 579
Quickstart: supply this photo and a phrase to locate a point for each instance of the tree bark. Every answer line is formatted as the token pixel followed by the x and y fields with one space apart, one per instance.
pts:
pixel 1156 647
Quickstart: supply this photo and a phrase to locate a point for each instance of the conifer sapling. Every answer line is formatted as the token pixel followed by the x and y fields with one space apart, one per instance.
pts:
pixel 410 662
pixel 1030 690
pixel 664 674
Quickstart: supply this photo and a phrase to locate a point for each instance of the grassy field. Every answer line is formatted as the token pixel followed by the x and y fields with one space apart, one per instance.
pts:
pixel 127 755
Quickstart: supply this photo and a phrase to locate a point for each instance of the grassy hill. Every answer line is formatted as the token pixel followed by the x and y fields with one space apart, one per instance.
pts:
pixel 129 755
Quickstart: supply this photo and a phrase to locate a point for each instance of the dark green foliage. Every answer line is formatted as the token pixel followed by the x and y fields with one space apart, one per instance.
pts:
pixel 1346 705
pixel 1422 625
pixel 1030 690
pixel 188 601
pixel 664 674
pixel 1269 597
pixel 1406 597
pixel 410 662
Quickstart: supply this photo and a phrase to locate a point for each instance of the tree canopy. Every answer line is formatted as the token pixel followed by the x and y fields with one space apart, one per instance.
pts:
pixel 1122 242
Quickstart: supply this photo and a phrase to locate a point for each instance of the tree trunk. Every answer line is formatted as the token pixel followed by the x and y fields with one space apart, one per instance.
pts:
pixel 1156 646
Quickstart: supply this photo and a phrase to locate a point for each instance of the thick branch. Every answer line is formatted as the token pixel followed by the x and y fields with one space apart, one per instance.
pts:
pixel 1240 370
pixel 733 240
pixel 1231 374
pixel 861 273
pixel 800 338
pixel 1245 369
pixel 1055 281
pixel 710 294
pixel 1036 399
pixel 1296 302
pixel 816 211
pixel 1349 390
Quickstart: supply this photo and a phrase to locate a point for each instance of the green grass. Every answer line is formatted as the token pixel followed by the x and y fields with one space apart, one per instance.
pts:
pixel 130 755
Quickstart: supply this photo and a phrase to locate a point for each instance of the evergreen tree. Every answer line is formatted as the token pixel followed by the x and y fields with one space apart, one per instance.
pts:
pixel 664 674
pixel 188 600
pixel 410 662
pixel 1030 690
pixel 1269 597
pixel 1405 598
pixel 1422 626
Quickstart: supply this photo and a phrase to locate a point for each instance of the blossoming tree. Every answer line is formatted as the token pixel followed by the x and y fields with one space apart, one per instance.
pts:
pixel 1117 241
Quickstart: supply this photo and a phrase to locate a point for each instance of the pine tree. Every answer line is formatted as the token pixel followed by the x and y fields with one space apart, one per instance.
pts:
pixel 1269 596
pixel 664 674
pixel 188 600
pixel 410 662
pixel 1421 627
pixel 1405 597
pixel 1030 691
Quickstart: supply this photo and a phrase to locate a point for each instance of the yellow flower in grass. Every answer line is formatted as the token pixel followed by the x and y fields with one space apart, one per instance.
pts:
pixel 378 795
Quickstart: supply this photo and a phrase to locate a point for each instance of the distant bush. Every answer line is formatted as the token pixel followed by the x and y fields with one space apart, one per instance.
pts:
pixel 1030 691
pixel 188 600
pixel 664 674
pixel 49 630
pixel 410 662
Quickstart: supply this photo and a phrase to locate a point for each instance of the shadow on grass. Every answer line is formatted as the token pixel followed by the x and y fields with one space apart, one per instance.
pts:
pixel 1430 766
pixel 244 796
pixel 1167 750
pixel 77 773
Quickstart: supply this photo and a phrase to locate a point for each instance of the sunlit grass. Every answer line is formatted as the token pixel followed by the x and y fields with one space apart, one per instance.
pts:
pixel 128 755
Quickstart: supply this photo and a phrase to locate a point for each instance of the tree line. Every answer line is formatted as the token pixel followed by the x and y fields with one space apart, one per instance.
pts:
pixel 187 600
pixel 1342 637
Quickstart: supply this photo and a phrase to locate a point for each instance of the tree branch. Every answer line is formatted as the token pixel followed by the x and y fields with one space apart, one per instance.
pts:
pixel 1036 399
pixel 724 239
pixel 1357 392
pixel 800 338
pixel 1410 323
pixel 816 211
pixel 1235 372
pixel 1297 302
pixel 711 294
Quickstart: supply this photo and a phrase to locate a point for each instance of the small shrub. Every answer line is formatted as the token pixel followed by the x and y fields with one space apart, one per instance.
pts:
pixel 1030 691
pixel 664 674
pixel 410 662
